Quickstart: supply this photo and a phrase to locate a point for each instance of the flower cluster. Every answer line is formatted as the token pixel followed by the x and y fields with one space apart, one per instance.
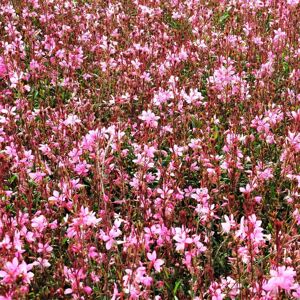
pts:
pixel 149 149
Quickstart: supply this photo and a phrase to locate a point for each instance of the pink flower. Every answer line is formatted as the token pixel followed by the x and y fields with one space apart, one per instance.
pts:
pixel 279 35
pixel 8 296
pixel 12 270
pixel 226 226
pixel 149 118
pixel 247 190
pixel 282 278
pixel 193 96
pixel 294 140
pixel 266 174
pixel 296 292
pixel 141 276
pixel 44 248
pixel 82 168
pixel 216 292
pixel 6 242
pixel 181 238
pixel 68 291
pixel 115 292
pixel 43 262
pixel 109 238
pixel 56 198
pixel 293 3
pixel 162 96
pixel 296 215
pixel 201 195
pixel 72 120
pixel 255 230
pixel 39 223
pixel 157 263
pixel 37 176
pixel 3 68
pixel 93 252
pixel 87 218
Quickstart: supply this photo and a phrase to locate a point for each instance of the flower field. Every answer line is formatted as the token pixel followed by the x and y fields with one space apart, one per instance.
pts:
pixel 150 149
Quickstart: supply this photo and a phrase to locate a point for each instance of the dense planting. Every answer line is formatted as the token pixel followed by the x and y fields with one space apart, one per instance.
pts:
pixel 150 149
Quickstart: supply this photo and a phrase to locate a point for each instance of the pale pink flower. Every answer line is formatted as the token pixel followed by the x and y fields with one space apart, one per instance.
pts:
pixel 72 120
pixel 39 223
pixel 157 263
pixel 181 238
pixel 56 198
pixel 282 277
pixel 37 176
pixel 229 222
pixel 43 262
pixel 149 118
pixel 293 3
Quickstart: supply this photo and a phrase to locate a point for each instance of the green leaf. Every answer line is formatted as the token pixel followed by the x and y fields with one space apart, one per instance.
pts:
pixel 65 241
pixel 177 285
pixel 13 178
